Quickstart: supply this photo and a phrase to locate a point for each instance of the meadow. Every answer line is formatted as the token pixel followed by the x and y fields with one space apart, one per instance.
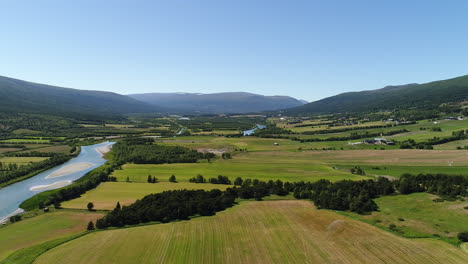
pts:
pixel 107 194
pixel 265 166
pixel 21 160
pixel 42 228
pixel 255 232
pixel 417 215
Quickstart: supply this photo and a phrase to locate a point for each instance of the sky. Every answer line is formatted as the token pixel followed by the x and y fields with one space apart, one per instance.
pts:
pixel 305 49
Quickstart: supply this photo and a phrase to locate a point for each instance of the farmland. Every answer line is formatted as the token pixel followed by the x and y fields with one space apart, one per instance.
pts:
pixel 42 228
pixel 20 160
pixel 417 215
pixel 255 232
pixel 257 165
pixel 106 196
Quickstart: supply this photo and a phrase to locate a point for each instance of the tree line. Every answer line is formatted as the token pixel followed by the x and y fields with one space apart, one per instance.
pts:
pixel 144 151
pixel 24 170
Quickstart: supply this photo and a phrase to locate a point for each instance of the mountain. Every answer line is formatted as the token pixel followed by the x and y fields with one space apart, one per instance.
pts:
pixel 234 102
pixel 420 96
pixel 27 97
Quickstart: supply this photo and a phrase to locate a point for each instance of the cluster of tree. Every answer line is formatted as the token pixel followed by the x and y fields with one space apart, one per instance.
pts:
pixel 258 189
pixel 357 170
pixel 220 180
pixel 152 179
pixel 144 151
pixel 15 218
pixel 198 179
pixel 355 196
pixel 168 206
pixel 226 155
pixel 24 170
pixel 440 184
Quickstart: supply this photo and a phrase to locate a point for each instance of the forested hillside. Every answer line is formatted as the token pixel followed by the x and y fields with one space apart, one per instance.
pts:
pixel 19 96
pixel 426 96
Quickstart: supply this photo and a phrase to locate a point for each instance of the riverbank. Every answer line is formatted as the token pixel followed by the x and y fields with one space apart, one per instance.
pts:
pixel 104 150
pixel 5 219
pixel 50 186
pixel 72 168
pixel 34 173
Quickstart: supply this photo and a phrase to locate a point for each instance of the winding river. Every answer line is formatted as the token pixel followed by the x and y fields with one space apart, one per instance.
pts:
pixel 13 195
pixel 251 131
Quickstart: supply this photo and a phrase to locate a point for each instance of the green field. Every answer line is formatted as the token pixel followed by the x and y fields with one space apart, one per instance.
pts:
pixel 453 144
pixel 397 171
pixel 422 216
pixel 24 140
pixel 107 194
pixel 21 160
pixel 256 165
pixel 42 228
pixel 255 232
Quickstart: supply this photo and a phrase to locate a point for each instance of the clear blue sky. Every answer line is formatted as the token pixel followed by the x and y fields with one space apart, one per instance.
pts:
pixel 306 49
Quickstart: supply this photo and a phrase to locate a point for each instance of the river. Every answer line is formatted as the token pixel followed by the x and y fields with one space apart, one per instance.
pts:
pixel 251 131
pixel 13 195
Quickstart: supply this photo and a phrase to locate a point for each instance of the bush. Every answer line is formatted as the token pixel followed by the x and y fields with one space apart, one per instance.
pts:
pixel 463 236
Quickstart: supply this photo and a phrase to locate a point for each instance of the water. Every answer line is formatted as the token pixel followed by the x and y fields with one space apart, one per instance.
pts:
pixel 13 195
pixel 251 131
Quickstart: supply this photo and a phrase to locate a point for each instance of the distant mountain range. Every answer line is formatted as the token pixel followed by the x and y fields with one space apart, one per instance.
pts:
pixel 419 96
pixel 234 102
pixel 19 96
pixel 27 97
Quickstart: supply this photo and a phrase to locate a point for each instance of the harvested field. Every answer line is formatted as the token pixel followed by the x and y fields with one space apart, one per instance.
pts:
pixel 255 232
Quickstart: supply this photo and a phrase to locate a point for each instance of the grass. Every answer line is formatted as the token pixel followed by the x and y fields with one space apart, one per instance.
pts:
pixel 256 165
pixel 452 145
pixel 255 232
pixel 397 171
pixel 421 216
pixel 42 228
pixel 24 140
pixel 106 195
pixel 21 160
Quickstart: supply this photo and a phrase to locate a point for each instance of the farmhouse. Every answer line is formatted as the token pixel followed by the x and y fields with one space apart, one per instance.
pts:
pixel 379 141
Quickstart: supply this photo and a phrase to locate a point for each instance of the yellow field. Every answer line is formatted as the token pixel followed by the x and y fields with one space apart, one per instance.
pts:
pixel 255 232
pixel 107 194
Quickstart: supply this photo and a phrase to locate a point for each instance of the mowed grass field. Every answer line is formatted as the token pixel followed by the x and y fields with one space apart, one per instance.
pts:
pixel 107 194
pixel 45 227
pixel 264 166
pixel 255 232
pixel 421 215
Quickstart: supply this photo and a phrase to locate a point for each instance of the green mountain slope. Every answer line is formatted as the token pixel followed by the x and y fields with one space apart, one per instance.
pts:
pixel 19 96
pixel 420 96
pixel 234 102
